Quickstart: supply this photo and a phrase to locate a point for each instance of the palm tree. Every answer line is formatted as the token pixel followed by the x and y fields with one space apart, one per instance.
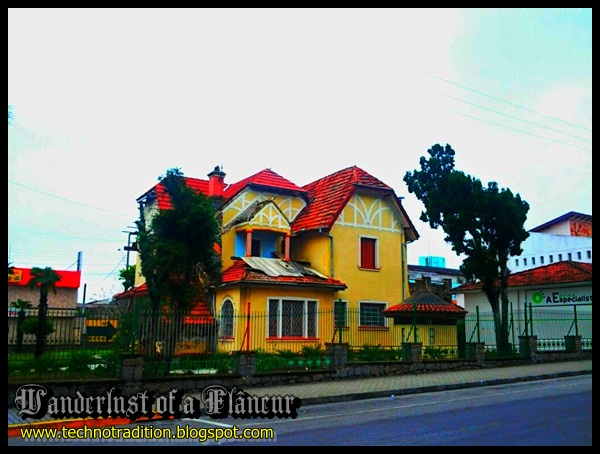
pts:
pixel 21 305
pixel 45 279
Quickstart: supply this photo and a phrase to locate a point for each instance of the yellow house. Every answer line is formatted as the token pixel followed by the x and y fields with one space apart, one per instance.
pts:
pixel 303 266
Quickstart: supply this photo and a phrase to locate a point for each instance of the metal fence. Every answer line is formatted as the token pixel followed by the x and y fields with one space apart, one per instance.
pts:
pixel 549 325
pixel 89 343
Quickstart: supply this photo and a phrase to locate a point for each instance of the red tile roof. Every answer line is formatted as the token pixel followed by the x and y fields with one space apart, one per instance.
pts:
pixel 134 291
pixel 266 179
pixel 163 199
pixel 425 301
pixel 329 195
pixel 199 314
pixel 241 272
pixel 565 272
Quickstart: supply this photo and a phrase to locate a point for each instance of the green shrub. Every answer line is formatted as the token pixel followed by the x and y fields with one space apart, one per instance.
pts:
pixel 431 352
pixel 30 326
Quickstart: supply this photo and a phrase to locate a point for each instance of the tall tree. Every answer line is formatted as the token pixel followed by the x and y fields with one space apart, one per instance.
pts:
pixel 45 279
pixel 176 247
pixel 486 224
pixel 127 276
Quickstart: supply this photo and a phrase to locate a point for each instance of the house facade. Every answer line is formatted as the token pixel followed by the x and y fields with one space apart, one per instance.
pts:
pixel 306 258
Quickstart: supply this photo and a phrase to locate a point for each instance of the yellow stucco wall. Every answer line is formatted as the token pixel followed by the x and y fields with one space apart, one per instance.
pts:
pixel 258 297
pixel 369 216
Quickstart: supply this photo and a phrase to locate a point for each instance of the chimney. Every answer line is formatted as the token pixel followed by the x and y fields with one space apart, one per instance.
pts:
pixel 216 182
pixel 447 283
pixel 426 283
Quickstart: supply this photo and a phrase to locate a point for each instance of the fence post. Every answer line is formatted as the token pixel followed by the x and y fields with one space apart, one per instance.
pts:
pixel 338 354
pixel 248 327
pixel 476 351
pixel 573 344
pixel 478 325
pixel 340 324
pixel 528 346
pixel 132 366
pixel 246 364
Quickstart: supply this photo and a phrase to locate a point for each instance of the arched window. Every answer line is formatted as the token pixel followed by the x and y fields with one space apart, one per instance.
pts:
pixel 226 325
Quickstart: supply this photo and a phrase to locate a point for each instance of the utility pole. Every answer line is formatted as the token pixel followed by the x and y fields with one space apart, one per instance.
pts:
pixel 131 246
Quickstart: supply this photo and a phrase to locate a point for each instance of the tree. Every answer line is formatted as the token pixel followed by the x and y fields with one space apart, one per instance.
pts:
pixel 45 279
pixel 486 224
pixel 176 247
pixel 22 306
pixel 127 276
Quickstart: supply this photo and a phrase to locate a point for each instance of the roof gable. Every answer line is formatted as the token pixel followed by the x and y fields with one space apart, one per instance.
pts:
pixel 264 179
pixel 264 213
pixel 571 215
pixel 329 195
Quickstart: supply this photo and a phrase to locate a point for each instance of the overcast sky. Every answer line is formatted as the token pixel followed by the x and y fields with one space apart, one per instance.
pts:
pixel 106 100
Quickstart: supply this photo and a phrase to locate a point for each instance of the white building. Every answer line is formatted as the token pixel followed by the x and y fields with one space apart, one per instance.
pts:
pixel 567 237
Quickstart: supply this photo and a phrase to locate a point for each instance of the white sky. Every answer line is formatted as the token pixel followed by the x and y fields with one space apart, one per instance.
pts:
pixel 106 100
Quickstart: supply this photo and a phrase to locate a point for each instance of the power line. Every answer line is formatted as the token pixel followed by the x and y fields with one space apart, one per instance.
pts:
pixel 63 236
pixel 510 116
pixel 518 130
pixel 507 102
pixel 69 200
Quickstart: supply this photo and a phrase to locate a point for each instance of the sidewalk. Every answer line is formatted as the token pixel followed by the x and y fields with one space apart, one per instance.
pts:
pixel 360 388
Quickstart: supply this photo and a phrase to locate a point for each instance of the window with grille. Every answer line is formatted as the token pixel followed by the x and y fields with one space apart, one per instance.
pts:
pixel 226 322
pixel 368 253
pixel 371 314
pixel 292 318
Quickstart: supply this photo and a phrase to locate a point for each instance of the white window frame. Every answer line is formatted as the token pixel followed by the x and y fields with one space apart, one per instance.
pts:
pixel 369 237
pixel 305 314
pixel 360 315
pixel 222 325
